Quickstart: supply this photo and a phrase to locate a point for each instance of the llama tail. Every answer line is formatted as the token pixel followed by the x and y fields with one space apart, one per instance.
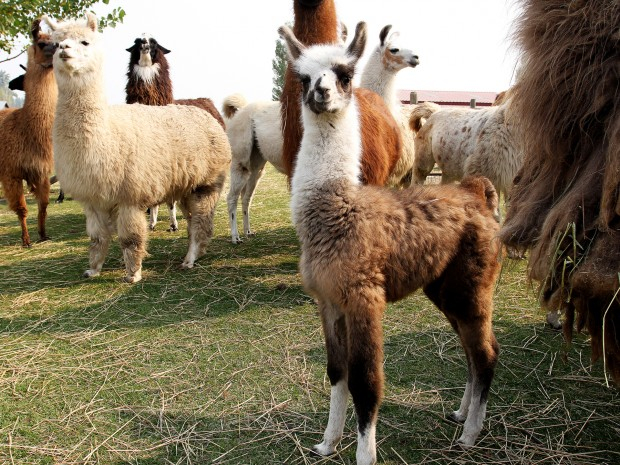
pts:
pixel 482 187
pixel 421 113
pixel 232 104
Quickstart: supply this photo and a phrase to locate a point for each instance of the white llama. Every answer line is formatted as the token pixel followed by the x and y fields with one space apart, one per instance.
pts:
pixel 255 137
pixel 103 151
pixel 363 246
pixel 379 75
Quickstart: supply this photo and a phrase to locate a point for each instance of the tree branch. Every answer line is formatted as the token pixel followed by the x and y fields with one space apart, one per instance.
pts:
pixel 12 58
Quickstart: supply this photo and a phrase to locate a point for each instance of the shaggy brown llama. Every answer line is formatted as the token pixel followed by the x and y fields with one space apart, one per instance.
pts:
pixel 363 246
pixel 565 204
pixel 26 152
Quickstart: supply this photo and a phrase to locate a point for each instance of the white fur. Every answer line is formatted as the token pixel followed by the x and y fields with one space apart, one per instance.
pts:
pixel 255 139
pixel 146 71
pixel 337 418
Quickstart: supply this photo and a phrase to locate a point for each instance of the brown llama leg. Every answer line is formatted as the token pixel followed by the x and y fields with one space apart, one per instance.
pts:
pixel 365 367
pixel 42 192
pixel 468 305
pixel 201 206
pixel 99 228
pixel 132 236
pixel 14 192
pixel 335 331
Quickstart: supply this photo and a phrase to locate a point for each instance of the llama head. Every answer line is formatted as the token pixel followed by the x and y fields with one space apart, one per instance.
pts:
pixel 325 71
pixel 146 51
pixel 42 51
pixel 78 50
pixel 393 57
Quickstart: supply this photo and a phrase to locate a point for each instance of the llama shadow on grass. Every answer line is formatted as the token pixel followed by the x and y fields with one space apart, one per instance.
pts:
pixel 227 280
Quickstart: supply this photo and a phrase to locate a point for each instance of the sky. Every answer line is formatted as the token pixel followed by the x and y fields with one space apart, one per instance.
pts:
pixel 226 47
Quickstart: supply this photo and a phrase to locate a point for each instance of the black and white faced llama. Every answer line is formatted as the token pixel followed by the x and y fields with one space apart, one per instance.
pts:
pixel 148 76
pixel 363 246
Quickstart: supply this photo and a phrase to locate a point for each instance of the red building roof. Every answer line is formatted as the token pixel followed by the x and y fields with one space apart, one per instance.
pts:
pixel 449 97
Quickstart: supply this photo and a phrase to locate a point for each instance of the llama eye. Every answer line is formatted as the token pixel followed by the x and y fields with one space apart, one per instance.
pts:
pixel 393 50
pixel 345 80
pixel 85 43
pixel 305 80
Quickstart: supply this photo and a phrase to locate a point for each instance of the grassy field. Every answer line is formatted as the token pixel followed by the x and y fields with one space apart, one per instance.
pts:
pixel 225 363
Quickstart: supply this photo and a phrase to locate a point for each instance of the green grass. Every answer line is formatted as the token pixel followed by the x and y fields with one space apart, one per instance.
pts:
pixel 225 363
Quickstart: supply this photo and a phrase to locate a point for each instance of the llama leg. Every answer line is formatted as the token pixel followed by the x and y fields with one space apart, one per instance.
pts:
pixel 256 173
pixel 365 368
pixel 238 179
pixel 334 328
pixel 132 236
pixel 14 192
pixel 172 208
pixel 202 205
pixel 154 212
pixel 99 229
pixel 42 193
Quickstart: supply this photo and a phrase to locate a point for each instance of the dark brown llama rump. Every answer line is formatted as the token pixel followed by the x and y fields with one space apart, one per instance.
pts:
pixel 565 205
pixel 206 104
pixel 315 23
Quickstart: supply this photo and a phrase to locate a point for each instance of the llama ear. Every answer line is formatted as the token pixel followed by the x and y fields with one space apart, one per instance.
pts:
pixel 164 50
pixel 344 32
pixel 17 83
pixel 393 37
pixel 35 29
pixel 53 25
pixel 383 34
pixel 91 21
pixel 356 48
pixel 294 47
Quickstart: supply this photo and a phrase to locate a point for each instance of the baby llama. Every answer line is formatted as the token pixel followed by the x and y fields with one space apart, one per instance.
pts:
pixel 364 246
pixel 103 152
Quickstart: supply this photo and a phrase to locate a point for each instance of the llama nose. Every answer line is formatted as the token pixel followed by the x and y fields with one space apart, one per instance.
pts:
pixel 321 94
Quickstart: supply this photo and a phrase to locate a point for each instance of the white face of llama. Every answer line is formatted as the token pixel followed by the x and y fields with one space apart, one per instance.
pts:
pixel 77 51
pixel 325 71
pixel 394 57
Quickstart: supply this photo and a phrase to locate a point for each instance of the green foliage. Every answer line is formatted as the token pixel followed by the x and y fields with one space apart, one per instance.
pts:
pixel 16 16
pixel 278 64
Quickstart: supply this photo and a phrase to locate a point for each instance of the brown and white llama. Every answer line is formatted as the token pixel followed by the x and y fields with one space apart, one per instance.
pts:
pixel 565 204
pixel 103 152
pixel 149 83
pixel 26 150
pixel 379 75
pixel 364 246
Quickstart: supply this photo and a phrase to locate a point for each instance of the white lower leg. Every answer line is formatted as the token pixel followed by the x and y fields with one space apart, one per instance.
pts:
pixel 153 217
pixel 366 453
pixel 192 253
pixel 174 225
pixel 337 417
pixel 460 415
pixel 475 419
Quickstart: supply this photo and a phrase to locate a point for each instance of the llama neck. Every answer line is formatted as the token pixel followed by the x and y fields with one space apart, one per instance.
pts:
pixel 331 150
pixel 41 98
pixel 84 94
pixel 380 80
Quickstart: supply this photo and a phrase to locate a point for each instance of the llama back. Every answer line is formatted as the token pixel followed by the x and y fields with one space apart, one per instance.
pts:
pixel 187 148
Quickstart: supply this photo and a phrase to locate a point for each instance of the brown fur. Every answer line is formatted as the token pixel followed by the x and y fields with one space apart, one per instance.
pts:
pixel 364 246
pixel 159 92
pixel 314 24
pixel 26 150
pixel 568 191
pixel 381 141
pixel 206 104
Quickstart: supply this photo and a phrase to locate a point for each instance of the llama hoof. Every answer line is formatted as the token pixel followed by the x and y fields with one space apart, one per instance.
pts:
pixel 173 229
pixel 237 240
pixel 324 449
pixel 151 228
pixel 90 274
pixel 250 234
pixel 465 442
pixel 187 265
pixel 553 320
pixel 133 279
pixel 26 245
pixel 44 239
pixel 456 417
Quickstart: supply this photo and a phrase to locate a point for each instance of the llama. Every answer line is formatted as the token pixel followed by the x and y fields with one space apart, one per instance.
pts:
pixel 364 246
pixel 379 75
pixel 565 203
pixel 102 152
pixel 255 139
pixel 148 82
pixel 26 150
pixel 466 142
